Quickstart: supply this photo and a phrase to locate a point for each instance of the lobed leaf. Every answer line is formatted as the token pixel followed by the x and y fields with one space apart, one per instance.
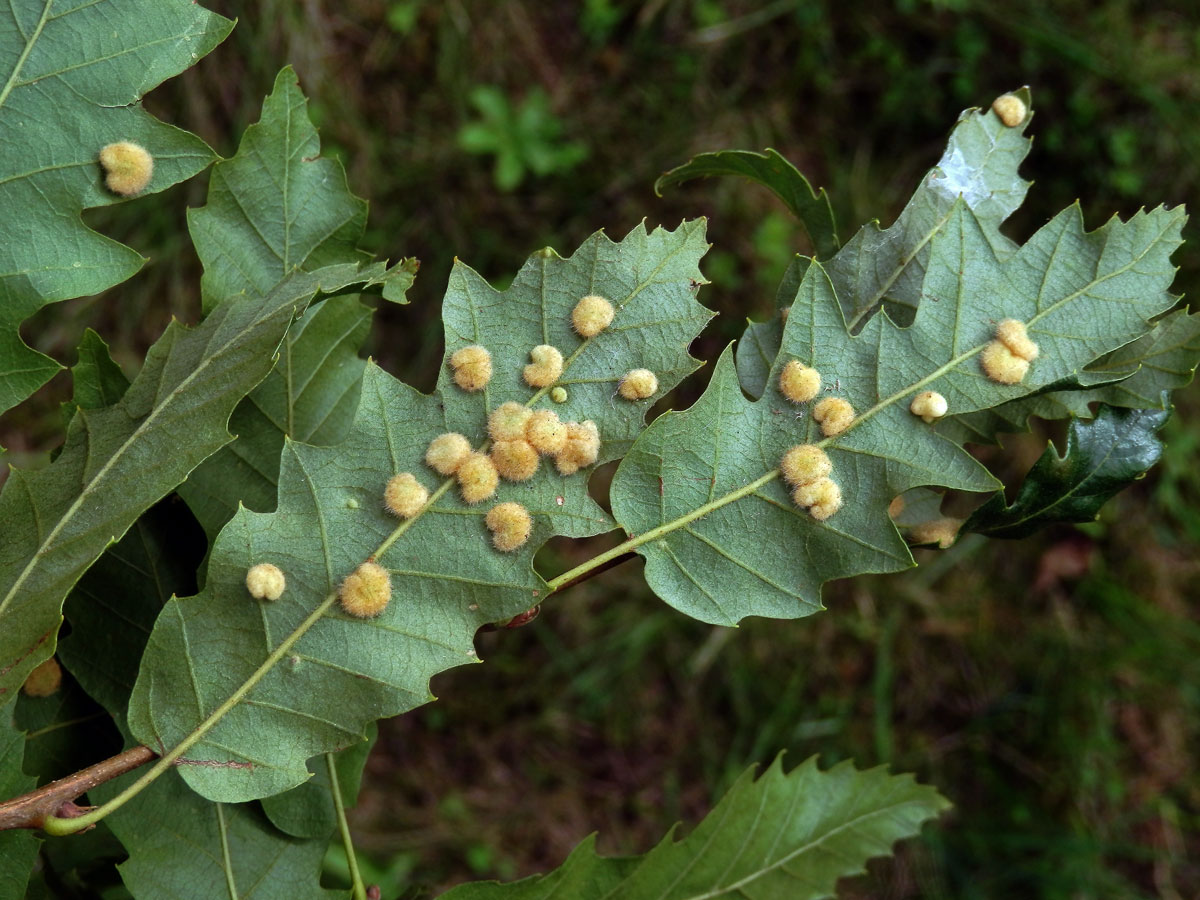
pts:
pixel 73 75
pixel 700 488
pixel 277 206
pixel 244 692
pixel 119 460
pixel 781 837
pixel 1103 456
pixel 184 847
pixel 979 166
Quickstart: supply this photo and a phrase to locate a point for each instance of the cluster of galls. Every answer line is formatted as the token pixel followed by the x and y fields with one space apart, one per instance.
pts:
pixel 520 437
pixel 807 468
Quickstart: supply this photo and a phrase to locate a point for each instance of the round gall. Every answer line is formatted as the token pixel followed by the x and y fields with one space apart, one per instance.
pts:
pixel 1010 109
pixel 638 384
pixel 128 168
pixel 581 449
pixel 265 582
pixel 447 452
pixel 510 525
pixel 404 495
pixel 546 432
pixel 834 414
pixel 546 368
pixel 929 405
pixel 472 367
pixel 591 316
pixel 366 591
pixel 477 478
pixel 44 680
pixel 943 532
pixel 515 460
pixel 805 463
pixel 798 382
pixel 507 421
pixel 1002 365
pixel 1011 333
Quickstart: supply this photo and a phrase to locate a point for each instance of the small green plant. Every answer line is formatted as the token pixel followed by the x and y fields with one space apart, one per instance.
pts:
pixel 360 533
pixel 524 139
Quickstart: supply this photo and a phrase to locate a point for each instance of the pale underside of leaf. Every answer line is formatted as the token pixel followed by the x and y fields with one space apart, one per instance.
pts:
pixel 979 166
pixel 71 78
pixel 699 490
pixel 247 692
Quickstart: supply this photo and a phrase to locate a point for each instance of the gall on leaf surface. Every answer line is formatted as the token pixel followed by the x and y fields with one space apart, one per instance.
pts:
pixel 700 489
pixel 271 685
pixel 74 76
pixel 782 836
pixel 979 164
pixel 119 460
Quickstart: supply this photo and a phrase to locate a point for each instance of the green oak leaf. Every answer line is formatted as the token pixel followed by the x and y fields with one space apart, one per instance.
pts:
pixel 1103 456
pixel 1142 375
pixel 273 684
pixel 121 459
pixel 979 165
pixel 18 848
pixel 184 847
pixel 309 811
pixel 778 176
pixel 700 488
pixel 303 216
pixel 72 76
pixel 113 606
pixel 276 206
pixel 784 836
pixel 310 396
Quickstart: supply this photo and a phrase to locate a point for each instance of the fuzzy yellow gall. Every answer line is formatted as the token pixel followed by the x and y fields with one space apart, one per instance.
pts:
pixel 507 421
pixel 446 452
pixel 128 168
pixel 44 680
pixel 1002 365
pixel 265 581
pixel 472 367
pixel 591 316
pixel 546 368
pixel 510 525
pixel 366 591
pixel 1011 333
pixel 1010 109
pixel 804 463
pixel 559 395
pixel 515 460
pixel 581 449
pixel 638 384
pixel 943 532
pixel 477 477
pixel 404 495
pixel 834 414
pixel 798 382
pixel 822 498
pixel 929 405
pixel 546 432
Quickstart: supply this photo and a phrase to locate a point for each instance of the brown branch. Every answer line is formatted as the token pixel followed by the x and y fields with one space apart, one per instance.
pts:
pixel 58 797
pixel 592 573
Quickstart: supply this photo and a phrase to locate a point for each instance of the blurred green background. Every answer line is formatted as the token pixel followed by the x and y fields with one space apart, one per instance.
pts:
pixel 1050 687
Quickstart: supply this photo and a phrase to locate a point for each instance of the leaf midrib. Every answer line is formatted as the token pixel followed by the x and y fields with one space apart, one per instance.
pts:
pixel 94 483
pixel 24 57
